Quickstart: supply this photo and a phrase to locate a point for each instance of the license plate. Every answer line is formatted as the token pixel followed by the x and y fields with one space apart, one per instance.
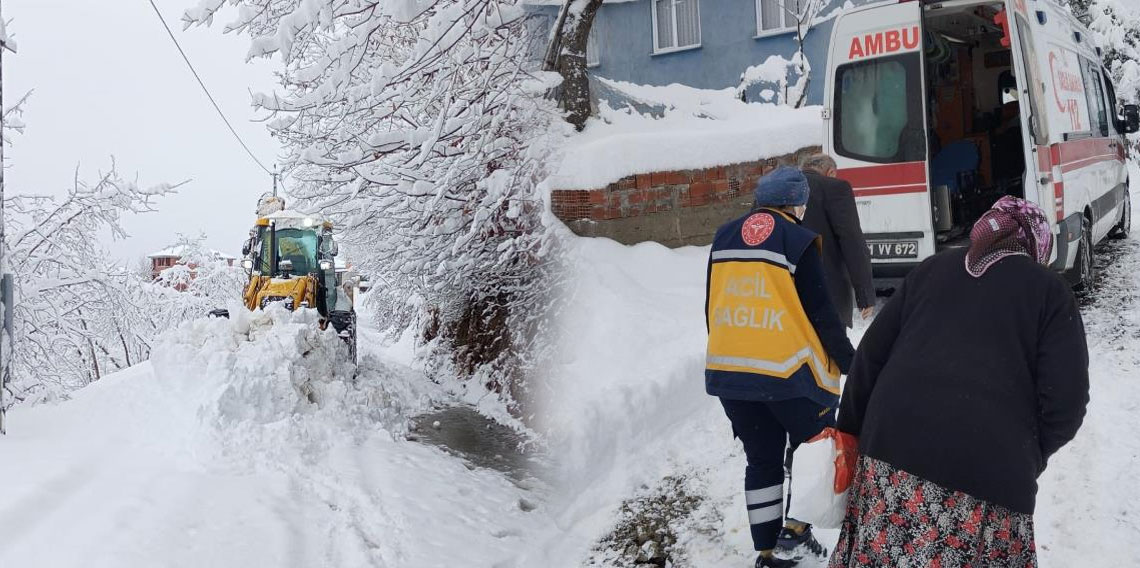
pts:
pixel 893 249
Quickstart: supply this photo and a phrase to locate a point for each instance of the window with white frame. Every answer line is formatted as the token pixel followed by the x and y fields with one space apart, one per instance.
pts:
pixel 676 24
pixel 593 48
pixel 776 16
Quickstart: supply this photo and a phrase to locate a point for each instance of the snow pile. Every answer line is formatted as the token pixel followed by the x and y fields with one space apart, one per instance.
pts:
pixel 272 381
pixel 632 414
pixel 699 128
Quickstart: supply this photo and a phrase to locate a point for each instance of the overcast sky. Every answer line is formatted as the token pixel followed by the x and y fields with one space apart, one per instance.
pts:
pixel 109 82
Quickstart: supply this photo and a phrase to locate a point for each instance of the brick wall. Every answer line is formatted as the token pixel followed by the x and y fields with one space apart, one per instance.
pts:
pixel 675 208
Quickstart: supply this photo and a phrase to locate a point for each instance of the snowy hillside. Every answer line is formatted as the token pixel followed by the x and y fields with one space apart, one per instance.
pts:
pixel 249 443
pixel 634 421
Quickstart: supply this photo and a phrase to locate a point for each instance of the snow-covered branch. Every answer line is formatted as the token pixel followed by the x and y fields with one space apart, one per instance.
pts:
pixel 414 125
pixel 74 315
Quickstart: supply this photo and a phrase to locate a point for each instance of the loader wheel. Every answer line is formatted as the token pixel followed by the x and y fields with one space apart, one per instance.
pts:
pixel 344 322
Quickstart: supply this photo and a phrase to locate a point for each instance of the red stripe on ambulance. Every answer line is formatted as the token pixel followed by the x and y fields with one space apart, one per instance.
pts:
pixel 887 179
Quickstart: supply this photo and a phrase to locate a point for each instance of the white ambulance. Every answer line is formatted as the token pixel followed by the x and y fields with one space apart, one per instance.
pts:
pixel 935 109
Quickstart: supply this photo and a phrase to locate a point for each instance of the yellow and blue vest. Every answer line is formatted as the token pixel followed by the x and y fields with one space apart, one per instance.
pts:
pixel 762 346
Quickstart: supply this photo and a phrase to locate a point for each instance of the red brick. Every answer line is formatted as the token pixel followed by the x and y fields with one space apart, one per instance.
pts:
pixel 677 178
pixel 658 178
pixel 644 181
pixel 628 182
pixel 596 196
pixel 701 189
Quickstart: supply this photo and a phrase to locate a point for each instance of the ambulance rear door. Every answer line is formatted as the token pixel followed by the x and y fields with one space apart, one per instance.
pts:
pixel 876 129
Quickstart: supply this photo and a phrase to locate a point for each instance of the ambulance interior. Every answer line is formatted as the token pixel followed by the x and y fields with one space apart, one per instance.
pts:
pixel 975 141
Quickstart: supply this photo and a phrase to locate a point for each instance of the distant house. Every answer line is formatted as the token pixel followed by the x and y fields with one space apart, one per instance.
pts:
pixel 705 44
pixel 171 256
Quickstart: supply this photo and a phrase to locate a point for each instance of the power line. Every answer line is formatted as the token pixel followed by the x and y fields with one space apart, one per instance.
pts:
pixel 207 91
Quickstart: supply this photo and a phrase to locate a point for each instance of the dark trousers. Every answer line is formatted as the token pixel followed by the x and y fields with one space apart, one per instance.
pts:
pixel 766 429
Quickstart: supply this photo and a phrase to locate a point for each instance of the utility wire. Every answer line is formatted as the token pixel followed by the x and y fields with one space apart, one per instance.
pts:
pixel 207 91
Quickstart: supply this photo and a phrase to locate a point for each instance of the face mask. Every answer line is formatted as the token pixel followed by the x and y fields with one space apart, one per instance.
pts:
pixel 800 210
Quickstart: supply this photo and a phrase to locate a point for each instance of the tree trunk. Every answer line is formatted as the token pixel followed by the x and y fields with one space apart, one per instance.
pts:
pixel 572 32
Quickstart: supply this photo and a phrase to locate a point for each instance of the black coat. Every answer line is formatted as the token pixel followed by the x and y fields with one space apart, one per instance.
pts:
pixel 971 383
pixel 846 262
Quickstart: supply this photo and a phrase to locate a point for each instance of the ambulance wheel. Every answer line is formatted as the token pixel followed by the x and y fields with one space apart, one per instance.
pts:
pixel 1121 230
pixel 1084 269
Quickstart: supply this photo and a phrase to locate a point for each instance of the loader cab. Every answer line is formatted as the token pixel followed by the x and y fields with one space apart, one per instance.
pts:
pixel 291 258
pixel 934 110
pixel 288 246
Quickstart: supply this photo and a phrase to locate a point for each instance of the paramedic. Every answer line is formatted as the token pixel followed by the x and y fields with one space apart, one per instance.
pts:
pixel 846 262
pixel 974 373
pixel 776 345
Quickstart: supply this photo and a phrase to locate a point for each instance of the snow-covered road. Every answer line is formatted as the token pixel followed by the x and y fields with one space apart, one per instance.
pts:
pixel 209 456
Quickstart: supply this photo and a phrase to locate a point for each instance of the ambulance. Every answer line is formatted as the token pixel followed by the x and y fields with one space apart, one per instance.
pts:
pixel 935 109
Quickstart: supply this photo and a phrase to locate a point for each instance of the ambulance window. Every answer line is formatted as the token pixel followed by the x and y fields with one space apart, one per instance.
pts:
pixel 878 110
pixel 1113 105
pixel 1095 92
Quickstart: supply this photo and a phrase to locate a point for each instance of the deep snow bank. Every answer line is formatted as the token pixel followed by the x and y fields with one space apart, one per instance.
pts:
pixel 630 410
pixel 249 442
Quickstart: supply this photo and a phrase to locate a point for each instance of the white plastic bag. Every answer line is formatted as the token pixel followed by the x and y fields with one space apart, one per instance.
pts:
pixel 813 496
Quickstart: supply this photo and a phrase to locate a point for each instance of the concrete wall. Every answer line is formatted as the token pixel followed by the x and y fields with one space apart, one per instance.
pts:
pixel 728 46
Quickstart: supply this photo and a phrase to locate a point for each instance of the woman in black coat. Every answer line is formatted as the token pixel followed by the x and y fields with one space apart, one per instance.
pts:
pixel 974 373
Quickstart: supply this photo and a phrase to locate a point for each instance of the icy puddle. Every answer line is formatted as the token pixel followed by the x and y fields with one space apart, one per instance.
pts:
pixel 482 442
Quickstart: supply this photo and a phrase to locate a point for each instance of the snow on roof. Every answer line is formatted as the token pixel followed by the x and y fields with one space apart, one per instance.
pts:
pixel 693 128
pixel 177 251
pixel 292 219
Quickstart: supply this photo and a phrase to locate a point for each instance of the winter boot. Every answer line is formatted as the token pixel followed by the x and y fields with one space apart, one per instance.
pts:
pixel 771 561
pixel 799 543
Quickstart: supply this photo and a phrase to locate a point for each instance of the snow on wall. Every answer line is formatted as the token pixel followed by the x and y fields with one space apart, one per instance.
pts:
pixel 699 128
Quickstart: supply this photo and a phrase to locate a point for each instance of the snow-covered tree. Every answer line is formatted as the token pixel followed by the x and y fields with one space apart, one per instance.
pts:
pixel 1116 25
pixel 70 300
pixel 202 280
pixel 566 54
pixel 417 126
pixel 788 77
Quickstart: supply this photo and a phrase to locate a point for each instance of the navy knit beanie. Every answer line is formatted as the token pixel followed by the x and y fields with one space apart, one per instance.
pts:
pixel 783 186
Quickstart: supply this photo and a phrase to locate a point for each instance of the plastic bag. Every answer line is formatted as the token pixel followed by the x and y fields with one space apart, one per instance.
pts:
pixel 813 496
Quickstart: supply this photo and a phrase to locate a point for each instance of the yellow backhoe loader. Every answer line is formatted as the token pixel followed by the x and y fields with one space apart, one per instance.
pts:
pixel 291 259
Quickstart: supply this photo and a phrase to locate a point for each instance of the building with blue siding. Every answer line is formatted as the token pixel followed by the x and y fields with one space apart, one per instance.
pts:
pixel 700 43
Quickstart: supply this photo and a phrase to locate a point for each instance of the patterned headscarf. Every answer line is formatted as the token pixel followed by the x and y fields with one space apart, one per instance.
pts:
pixel 1012 227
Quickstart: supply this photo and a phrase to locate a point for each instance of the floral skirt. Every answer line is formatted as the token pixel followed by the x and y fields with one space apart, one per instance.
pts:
pixel 897 520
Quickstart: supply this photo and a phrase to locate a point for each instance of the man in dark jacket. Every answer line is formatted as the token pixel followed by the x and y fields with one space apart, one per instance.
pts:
pixel 831 213
pixel 776 345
